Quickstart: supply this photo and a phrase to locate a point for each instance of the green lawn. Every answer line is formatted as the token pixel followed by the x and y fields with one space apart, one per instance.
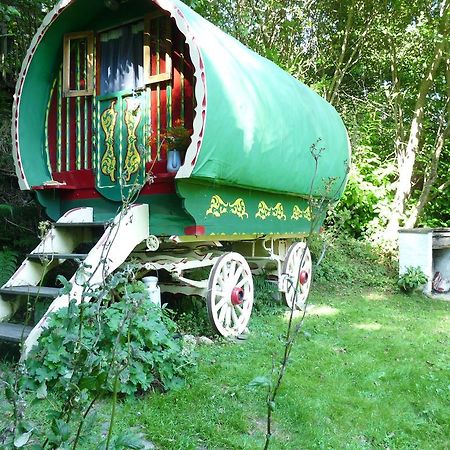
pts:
pixel 371 372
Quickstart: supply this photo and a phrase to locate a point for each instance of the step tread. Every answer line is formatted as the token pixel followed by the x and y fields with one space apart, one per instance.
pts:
pixel 41 291
pixel 14 332
pixel 80 224
pixel 57 255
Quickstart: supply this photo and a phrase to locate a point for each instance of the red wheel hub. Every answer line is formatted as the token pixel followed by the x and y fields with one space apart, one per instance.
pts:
pixel 304 276
pixel 237 296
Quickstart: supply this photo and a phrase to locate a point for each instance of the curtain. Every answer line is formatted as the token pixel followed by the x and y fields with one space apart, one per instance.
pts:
pixel 121 59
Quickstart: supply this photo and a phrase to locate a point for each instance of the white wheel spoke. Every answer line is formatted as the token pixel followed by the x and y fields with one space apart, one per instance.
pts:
pixel 222 313
pixel 234 317
pixel 298 260
pixel 220 304
pixel 242 282
pixel 231 270
pixel 237 274
pixel 228 317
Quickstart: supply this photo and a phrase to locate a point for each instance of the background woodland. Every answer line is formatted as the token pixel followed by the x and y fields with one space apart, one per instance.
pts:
pixel 384 65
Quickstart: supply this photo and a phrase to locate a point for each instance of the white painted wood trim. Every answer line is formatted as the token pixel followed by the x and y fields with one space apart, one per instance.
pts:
pixel 130 228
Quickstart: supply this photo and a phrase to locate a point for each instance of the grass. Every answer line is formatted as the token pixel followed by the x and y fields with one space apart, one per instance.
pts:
pixel 370 372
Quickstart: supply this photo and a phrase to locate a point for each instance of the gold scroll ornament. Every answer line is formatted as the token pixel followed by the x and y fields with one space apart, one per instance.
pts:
pixel 264 211
pixel 218 207
pixel 298 213
pixel 108 162
pixel 132 117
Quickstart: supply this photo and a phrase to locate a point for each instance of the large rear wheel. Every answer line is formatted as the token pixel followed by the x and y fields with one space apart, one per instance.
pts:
pixel 230 295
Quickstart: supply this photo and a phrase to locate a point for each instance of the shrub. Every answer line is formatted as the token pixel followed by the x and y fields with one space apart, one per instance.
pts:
pixel 348 261
pixel 412 279
pixel 91 345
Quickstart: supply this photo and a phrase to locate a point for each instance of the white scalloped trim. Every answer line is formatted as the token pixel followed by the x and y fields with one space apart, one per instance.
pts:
pixel 200 87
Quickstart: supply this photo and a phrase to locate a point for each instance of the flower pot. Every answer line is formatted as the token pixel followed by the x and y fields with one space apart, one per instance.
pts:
pixel 173 160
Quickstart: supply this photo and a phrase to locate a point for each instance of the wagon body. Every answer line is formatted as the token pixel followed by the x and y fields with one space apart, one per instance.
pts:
pixel 81 135
pixel 103 83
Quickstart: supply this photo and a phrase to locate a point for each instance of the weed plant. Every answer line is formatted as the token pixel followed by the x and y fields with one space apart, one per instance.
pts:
pixel 119 343
pixel 351 262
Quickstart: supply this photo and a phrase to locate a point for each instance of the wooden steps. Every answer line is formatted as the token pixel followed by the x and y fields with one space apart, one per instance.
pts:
pixel 14 332
pixel 80 224
pixel 77 237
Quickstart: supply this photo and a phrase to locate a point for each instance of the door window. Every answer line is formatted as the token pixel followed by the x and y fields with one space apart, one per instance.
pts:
pixel 121 59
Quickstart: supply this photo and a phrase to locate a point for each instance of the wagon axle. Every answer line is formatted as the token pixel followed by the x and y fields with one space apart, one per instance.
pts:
pixel 237 296
pixel 304 277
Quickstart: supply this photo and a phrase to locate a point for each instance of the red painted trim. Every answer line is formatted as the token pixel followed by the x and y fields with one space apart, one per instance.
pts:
pixel 195 230
pixel 63 133
pixel 237 296
pixel 89 132
pixel 163 184
pixel 73 134
pixel 49 187
pixel 303 278
pixel 81 178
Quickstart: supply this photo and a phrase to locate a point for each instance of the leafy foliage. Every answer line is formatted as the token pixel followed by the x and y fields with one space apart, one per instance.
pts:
pixel 191 316
pixel 8 264
pixel 120 342
pixel 346 262
pixel 412 279
pixel 133 331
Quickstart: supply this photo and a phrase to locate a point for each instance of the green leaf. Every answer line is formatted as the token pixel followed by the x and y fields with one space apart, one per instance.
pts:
pixel 61 430
pixel 22 439
pixel 67 286
pixel 128 441
pixel 260 382
pixel 41 392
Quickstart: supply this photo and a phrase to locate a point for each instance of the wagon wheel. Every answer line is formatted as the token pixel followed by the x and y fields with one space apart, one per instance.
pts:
pixel 296 273
pixel 230 294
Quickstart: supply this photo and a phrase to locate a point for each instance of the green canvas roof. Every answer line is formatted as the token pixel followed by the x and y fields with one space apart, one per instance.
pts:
pixel 259 124
pixel 254 124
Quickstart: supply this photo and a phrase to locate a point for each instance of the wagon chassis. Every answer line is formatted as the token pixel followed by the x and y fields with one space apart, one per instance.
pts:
pixel 228 288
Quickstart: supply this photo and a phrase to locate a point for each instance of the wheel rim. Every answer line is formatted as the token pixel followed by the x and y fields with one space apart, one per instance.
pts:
pixel 230 294
pixel 297 269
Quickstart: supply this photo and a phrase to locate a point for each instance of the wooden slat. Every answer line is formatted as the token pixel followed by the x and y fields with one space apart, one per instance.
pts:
pixel 14 332
pixel 34 291
pixel 79 224
pixel 80 256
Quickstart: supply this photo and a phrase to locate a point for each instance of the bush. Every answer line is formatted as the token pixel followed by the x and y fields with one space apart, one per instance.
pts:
pixel 92 344
pixel 348 261
pixel 412 279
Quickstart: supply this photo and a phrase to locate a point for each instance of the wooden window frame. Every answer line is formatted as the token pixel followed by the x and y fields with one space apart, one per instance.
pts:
pixel 89 36
pixel 167 75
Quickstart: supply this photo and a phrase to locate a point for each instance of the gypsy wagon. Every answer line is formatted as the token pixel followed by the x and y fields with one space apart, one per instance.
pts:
pixel 102 83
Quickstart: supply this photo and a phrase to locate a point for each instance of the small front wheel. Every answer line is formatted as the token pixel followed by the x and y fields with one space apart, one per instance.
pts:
pixel 296 275
pixel 230 294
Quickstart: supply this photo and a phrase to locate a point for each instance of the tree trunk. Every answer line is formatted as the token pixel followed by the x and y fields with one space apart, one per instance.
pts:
pixel 442 135
pixel 406 157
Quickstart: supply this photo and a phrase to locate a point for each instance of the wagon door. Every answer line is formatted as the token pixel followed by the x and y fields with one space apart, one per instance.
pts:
pixel 121 112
